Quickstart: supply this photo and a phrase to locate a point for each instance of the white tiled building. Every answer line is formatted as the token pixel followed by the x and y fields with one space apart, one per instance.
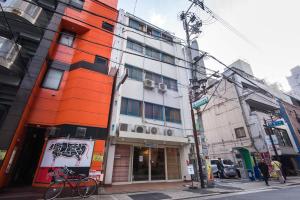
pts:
pixel 151 120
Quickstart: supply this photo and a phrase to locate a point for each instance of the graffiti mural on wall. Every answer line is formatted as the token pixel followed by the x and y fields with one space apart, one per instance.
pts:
pixel 68 150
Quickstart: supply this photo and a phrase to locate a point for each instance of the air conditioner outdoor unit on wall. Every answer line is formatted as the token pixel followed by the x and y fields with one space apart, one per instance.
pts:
pixel 124 127
pixel 149 84
pixel 169 132
pixel 162 87
pixel 154 130
pixel 139 129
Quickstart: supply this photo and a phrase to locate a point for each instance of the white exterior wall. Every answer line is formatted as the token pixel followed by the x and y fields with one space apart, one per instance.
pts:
pixel 223 115
pixel 135 90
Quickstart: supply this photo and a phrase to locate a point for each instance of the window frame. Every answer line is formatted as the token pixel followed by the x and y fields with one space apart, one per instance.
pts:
pixel 153 116
pixel 130 67
pixel 166 118
pixel 77 5
pixel 166 79
pixel 237 129
pixel 109 27
pixel 152 75
pixel 131 23
pixel 140 114
pixel 101 57
pixel 163 55
pixel 45 77
pixel 132 43
pixel 149 51
pixel 63 32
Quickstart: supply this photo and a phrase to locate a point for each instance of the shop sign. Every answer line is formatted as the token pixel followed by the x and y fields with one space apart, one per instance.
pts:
pixel 151 145
pixel 191 170
pixel 97 157
pixel 271 124
pixel 68 152
pixel 2 154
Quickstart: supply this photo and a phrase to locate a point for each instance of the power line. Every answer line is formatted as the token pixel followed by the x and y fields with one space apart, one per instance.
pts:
pixel 106 46
pixel 113 20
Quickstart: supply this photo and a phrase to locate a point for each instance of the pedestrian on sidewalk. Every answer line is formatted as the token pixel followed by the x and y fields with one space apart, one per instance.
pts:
pixel 220 167
pixel 276 165
pixel 264 169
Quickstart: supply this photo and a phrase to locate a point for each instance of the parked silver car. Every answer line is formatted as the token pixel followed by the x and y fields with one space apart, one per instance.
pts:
pixel 230 170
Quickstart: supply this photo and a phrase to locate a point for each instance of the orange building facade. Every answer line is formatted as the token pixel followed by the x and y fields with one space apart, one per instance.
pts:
pixel 65 119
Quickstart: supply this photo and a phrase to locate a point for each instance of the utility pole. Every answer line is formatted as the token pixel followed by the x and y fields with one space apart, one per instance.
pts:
pixel 192 25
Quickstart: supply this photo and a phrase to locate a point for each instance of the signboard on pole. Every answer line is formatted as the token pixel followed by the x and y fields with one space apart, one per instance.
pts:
pixel 200 102
pixel 191 170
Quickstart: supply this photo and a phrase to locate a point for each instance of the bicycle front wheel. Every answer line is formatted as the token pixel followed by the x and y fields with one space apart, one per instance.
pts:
pixel 87 187
pixel 54 190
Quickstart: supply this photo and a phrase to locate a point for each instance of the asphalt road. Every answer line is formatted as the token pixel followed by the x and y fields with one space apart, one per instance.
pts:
pixel 292 193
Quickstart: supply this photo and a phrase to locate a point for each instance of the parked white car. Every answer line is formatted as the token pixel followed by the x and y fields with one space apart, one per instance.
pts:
pixel 230 170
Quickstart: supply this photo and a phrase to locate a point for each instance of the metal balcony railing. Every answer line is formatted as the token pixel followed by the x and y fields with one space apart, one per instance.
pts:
pixel 8 52
pixel 22 8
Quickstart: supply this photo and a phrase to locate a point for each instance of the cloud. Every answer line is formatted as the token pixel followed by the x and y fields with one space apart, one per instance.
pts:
pixel 157 19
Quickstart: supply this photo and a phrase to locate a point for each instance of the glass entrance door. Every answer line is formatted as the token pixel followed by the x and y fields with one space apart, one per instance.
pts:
pixel 140 164
pixel 158 164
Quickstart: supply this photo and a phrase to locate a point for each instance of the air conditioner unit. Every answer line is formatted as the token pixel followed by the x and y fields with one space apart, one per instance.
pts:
pixel 80 132
pixel 123 127
pixel 149 84
pixel 139 129
pixel 169 132
pixel 162 87
pixel 154 130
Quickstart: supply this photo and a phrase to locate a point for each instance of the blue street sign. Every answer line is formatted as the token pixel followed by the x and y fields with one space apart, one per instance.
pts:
pixel 275 123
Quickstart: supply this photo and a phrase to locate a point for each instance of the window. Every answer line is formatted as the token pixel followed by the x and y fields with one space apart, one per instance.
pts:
pixel 172 115
pixel 67 38
pixel 154 77
pixel 108 26
pixel 5 46
pixel 152 53
pixel 77 3
pixel 134 46
pixel 153 32
pixel 240 132
pixel 167 58
pixel 135 24
pixel 52 79
pixel 101 60
pixel 171 83
pixel 283 137
pixel 153 111
pixel 32 10
pixel 131 107
pixel 134 73
pixel 167 37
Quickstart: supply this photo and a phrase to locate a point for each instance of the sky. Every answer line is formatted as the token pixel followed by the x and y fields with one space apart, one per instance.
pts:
pixel 272 26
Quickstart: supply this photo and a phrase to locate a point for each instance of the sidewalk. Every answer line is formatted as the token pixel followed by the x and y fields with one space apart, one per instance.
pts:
pixel 180 190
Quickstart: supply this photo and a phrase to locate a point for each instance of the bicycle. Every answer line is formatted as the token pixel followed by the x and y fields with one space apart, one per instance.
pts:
pixel 84 185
